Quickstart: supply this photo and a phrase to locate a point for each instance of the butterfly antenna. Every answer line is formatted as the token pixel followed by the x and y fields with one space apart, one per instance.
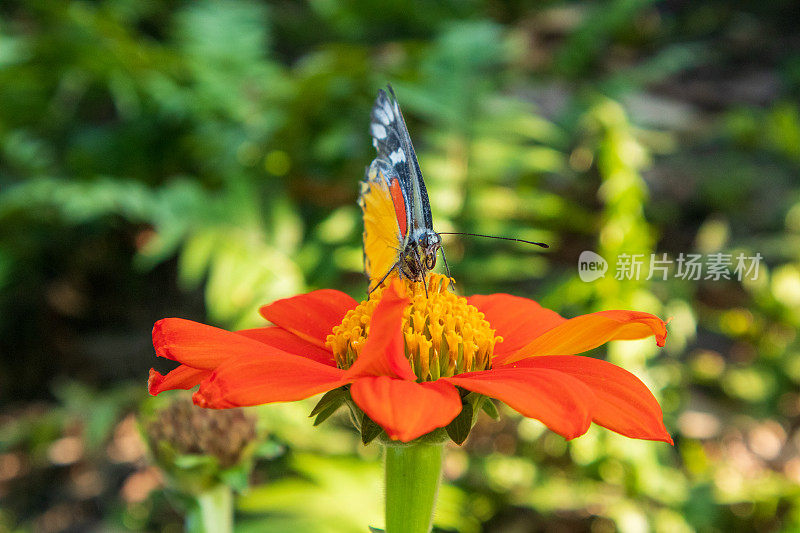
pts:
pixel 543 245
pixel 446 268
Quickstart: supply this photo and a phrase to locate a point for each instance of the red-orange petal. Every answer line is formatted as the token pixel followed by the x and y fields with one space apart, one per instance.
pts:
pixel 383 353
pixel 310 316
pixel 585 332
pixel 623 403
pixel 199 345
pixel 558 400
pixel 406 409
pixel 517 320
pixel 183 377
pixel 289 342
pixel 273 376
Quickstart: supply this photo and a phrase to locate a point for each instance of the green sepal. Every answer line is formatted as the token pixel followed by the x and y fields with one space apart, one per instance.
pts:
pixel 335 397
pixel 189 473
pixel 237 477
pixel 194 462
pixel 269 449
pixel 490 409
pixel 356 414
pixel 327 413
pixel 459 428
pixel 369 429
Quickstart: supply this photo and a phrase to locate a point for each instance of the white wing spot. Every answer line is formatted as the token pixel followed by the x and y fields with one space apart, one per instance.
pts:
pixel 387 107
pixel 378 131
pixel 398 156
pixel 382 116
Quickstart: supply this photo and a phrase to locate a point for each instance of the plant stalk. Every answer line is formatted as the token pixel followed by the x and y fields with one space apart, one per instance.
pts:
pixel 212 512
pixel 413 472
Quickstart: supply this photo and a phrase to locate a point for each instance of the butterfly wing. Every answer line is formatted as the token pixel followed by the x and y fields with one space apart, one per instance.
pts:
pixel 393 143
pixel 386 219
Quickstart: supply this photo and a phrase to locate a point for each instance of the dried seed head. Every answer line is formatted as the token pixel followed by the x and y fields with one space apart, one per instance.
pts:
pixel 191 430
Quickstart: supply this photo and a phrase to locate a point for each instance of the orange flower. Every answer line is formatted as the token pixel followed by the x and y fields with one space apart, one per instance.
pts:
pixel 408 359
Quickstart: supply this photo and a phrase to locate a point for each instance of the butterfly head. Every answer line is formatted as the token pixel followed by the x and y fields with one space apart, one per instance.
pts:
pixel 429 244
pixel 419 256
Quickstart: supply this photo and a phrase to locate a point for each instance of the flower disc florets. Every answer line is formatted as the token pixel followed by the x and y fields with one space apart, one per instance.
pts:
pixel 444 335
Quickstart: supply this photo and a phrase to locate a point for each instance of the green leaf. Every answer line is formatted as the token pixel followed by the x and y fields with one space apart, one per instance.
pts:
pixel 458 429
pixel 369 429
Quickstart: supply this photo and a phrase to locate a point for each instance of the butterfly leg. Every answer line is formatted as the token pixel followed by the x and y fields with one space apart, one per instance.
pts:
pixel 396 265
pixel 420 272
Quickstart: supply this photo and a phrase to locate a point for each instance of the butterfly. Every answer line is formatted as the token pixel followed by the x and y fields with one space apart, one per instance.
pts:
pixel 398 226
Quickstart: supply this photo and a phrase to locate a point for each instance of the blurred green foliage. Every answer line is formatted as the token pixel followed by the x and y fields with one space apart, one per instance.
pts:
pixel 201 159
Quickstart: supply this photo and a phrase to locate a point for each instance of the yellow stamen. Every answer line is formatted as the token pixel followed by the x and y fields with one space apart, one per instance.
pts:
pixel 443 334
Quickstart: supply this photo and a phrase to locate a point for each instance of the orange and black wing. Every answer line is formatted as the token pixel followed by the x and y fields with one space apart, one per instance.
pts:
pixel 386 219
pixel 393 143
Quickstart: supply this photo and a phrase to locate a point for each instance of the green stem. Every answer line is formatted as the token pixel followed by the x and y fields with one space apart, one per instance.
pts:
pixel 413 472
pixel 213 512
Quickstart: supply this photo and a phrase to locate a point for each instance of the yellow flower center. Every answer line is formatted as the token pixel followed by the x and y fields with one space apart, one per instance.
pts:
pixel 444 335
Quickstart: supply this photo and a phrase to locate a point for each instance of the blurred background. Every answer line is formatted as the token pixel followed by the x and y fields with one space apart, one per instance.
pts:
pixel 202 158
